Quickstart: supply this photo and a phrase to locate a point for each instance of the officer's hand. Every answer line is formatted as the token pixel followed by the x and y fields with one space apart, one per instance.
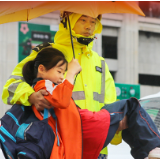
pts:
pixel 74 67
pixel 37 98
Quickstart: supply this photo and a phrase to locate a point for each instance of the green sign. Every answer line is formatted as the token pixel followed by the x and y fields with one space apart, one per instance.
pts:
pixel 125 91
pixel 31 35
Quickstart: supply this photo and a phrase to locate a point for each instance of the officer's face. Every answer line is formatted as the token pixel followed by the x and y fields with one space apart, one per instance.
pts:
pixel 85 26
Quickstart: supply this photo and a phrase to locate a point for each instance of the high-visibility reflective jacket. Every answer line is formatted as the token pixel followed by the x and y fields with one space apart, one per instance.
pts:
pixel 94 85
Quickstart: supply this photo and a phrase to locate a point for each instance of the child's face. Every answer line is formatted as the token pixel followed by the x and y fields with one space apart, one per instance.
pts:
pixel 55 74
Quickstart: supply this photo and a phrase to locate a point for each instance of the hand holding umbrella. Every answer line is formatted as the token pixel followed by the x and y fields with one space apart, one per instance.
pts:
pixel 74 68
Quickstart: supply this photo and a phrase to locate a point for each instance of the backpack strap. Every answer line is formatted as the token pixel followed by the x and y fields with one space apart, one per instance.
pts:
pixel 45 116
pixel 55 117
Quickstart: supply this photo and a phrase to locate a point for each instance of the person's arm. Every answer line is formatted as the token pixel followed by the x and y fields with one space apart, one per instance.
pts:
pixel 58 95
pixel 17 91
pixel 73 69
pixel 37 98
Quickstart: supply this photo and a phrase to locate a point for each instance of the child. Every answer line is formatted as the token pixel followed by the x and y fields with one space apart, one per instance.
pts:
pixel 79 126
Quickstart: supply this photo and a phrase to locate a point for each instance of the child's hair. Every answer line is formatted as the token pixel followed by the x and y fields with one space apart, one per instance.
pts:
pixel 48 57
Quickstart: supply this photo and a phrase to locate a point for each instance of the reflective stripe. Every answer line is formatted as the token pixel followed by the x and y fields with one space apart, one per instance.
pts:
pixel 100 97
pixel 11 91
pixel 17 77
pixel 78 95
pixel 13 87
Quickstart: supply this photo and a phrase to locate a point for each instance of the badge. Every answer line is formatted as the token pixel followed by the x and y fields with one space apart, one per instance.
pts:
pixel 98 69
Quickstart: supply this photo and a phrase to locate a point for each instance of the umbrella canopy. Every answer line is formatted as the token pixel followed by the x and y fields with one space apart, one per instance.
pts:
pixel 11 11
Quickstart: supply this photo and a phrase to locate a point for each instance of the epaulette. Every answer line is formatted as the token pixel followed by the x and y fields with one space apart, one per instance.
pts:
pixel 41 46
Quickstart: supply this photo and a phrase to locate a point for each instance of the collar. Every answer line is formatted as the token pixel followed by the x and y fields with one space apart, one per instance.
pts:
pixel 84 40
pixel 39 79
pixel 35 81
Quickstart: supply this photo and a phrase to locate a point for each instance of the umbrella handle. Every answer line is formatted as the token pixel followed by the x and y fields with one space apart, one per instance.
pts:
pixel 71 36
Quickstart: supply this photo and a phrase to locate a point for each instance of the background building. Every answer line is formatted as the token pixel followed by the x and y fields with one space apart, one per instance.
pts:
pixel 129 43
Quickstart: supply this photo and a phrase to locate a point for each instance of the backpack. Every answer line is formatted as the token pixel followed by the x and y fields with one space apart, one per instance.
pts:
pixel 23 135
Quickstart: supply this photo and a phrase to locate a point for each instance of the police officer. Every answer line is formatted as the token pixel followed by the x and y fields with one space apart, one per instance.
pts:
pixel 94 86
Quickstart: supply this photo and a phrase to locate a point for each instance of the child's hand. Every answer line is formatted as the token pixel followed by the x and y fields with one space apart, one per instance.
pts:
pixel 74 67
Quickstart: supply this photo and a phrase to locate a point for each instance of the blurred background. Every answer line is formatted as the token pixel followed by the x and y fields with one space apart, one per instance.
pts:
pixel 129 43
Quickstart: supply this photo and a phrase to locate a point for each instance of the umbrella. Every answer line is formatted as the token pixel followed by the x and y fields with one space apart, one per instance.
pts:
pixel 11 11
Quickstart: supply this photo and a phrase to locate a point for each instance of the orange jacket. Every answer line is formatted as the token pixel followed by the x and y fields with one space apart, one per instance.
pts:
pixel 68 119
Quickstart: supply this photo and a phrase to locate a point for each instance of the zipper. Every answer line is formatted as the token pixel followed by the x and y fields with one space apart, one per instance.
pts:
pixel 25 137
